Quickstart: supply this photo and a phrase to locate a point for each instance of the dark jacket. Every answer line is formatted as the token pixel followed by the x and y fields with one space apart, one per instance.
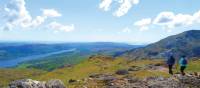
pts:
pixel 171 60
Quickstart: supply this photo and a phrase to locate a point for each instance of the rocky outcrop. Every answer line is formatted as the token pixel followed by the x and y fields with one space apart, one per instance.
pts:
pixel 29 83
pixel 176 81
pixel 113 81
pixel 190 80
pixel 55 84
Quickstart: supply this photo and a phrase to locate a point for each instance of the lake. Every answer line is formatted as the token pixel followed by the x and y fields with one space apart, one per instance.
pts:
pixel 14 62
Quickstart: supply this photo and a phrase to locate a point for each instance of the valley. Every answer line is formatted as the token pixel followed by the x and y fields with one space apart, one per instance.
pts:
pixel 103 64
pixel 15 62
pixel 51 56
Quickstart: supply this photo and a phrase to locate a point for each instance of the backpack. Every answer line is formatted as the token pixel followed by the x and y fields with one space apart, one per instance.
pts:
pixel 184 61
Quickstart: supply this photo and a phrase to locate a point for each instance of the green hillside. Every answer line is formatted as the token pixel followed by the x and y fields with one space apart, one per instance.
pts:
pixel 53 62
pixel 186 43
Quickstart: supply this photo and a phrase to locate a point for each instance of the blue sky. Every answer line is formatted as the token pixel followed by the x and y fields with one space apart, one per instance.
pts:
pixel 129 21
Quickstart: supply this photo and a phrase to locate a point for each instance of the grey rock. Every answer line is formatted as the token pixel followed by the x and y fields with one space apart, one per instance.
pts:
pixel 29 83
pixel 122 72
pixel 176 81
pixel 55 84
pixel 191 81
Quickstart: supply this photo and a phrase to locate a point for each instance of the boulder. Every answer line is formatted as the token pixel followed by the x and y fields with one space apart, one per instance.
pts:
pixel 29 83
pixel 72 81
pixel 55 84
pixel 122 72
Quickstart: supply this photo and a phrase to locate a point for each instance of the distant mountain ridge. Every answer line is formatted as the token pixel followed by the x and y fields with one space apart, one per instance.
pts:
pixel 16 50
pixel 52 56
pixel 186 43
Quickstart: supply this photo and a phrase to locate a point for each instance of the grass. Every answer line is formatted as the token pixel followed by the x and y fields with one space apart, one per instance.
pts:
pixel 8 75
pixel 194 66
pixel 84 69
pixel 147 73
pixel 99 65
pixel 94 65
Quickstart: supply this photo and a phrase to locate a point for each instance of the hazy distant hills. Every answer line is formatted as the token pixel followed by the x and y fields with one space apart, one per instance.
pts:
pixel 186 43
pixel 16 50
pixel 51 56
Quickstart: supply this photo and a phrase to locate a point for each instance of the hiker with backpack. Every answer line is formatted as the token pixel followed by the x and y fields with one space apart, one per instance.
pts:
pixel 183 64
pixel 170 63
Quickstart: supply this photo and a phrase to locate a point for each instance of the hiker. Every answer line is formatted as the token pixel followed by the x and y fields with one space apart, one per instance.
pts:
pixel 170 63
pixel 183 64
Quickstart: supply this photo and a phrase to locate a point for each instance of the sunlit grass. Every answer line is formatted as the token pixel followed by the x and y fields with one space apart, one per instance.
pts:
pixel 96 65
pixel 8 75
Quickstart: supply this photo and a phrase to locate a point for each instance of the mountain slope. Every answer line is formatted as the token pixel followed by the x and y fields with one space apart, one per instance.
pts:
pixel 186 43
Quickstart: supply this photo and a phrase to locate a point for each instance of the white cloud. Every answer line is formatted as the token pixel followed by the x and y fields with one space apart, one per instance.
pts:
pixel 16 15
pixel 182 20
pixel 164 18
pixel 60 27
pixel 47 13
pixel 173 20
pixel 51 13
pixel 196 17
pixel 125 6
pixel 7 27
pixel 143 24
pixel 170 20
pixel 105 5
pixel 38 21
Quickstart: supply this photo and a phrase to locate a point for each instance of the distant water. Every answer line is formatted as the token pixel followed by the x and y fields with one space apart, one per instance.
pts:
pixel 14 62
